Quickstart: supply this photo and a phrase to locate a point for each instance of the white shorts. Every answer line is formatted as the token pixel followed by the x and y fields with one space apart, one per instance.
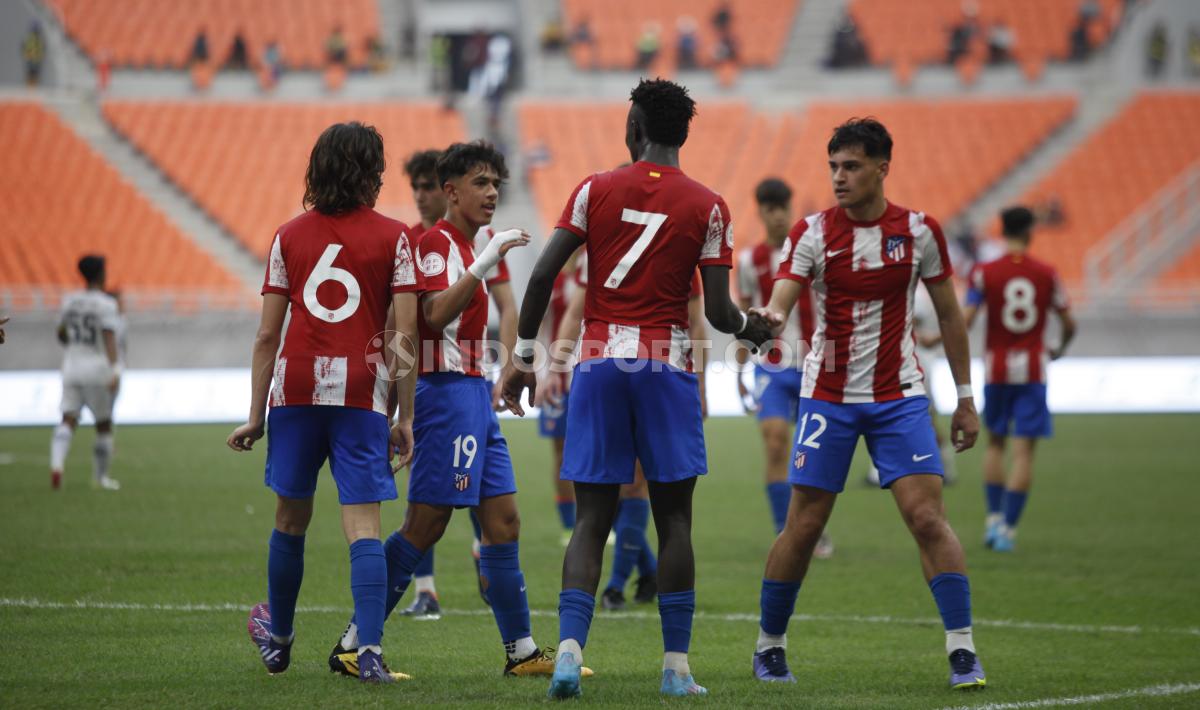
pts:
pixel 97 397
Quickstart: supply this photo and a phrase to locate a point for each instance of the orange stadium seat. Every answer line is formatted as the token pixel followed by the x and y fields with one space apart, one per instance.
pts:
pixel 760 30
pixel 60 200
pixel 154 33
pixel 244 162
pixel 947 151
pixel 1114 172
pixel 1186 271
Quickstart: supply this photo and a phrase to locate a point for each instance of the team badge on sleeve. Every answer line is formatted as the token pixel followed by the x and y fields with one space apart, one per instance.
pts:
pixel 433 264
pixel 716 233
pixel 403 273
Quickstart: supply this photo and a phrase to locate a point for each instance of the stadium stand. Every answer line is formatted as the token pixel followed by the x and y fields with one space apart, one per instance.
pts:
pixel 243 163
pixel 154 34
pixel 732 147
pixel 1116 171
pixel 44 234
pixel 760 29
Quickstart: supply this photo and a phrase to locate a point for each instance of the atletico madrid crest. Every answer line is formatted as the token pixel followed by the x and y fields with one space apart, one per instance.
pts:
pixel 462 481
pixel 801 457
pixel 895 248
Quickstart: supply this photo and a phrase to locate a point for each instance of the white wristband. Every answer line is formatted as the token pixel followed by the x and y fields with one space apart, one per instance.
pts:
pixel 965 392
pixel 745 321
pixel 479 269
pixel 524 348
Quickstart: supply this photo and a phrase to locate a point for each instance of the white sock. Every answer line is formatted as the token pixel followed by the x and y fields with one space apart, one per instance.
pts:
pixel 60 444
pixel 284 640
pixel 994 518
pixel 675 661
pixel 425 584
pixel 571 646
pixel 959 638
pixel 521 648
pixel 350 637
pixel 377 649
pixel 766 640
pixel 102 456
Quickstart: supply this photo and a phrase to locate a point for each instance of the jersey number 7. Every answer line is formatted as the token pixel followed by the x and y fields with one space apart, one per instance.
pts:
pixel 653 221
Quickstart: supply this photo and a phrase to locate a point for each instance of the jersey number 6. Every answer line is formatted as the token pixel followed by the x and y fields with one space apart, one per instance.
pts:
pixel 326 271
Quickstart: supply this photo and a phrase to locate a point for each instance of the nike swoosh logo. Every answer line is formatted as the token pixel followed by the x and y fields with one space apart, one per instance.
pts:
pixel 522 590
pixel 917 459
pixel 830 254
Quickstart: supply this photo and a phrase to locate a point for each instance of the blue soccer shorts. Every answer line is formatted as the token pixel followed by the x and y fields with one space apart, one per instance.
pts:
pixel 1019 410
pixel 777 392
pixel 622 410
pixel 899 436
pixel 552 419
pixel 459 455
pixel 301 438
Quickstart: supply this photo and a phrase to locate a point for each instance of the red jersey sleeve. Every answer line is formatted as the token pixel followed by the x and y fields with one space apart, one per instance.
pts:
pixel 935 258
pixel 499 275
pixel 404 272
pixel 1058 295
pixel 799 251
pixel 574 217
pixel 431 259
pixel 697 286
pixel 718 239
pixel 276 279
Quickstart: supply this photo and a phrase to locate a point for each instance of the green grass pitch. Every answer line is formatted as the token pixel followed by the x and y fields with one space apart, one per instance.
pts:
pixel 1102 595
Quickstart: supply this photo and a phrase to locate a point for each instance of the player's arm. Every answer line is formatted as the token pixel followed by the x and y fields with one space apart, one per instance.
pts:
pixel 562 346
pixel 964 425
pixel 1069 329
pixel 402 370
pixel 975 297
pixel 507 306
pixel 563 243
pixel 262 367
pixel 723 313
pixel 442 307
pixel 110 350
pixel 698 334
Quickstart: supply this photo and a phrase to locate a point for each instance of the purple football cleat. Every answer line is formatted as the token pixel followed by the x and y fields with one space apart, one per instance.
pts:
pixel 372 670
pixel 966 673
pixel 771 666
pixel 275 656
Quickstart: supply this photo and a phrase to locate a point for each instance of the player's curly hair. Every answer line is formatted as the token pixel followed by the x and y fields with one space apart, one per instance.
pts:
pixel 668 108
pixel 460 158
pixel 774 192
pixel 867 133
pixel 345 169
pixel 422 162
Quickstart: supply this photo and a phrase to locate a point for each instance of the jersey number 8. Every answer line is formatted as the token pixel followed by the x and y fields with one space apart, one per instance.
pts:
pixel 1019 314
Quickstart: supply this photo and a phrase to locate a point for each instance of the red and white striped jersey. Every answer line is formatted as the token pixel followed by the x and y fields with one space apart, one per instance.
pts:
pixel 339 274
pixel 756 279
pixel 646 227
pixel 862 276
pixel 1019 292
pixel 443 256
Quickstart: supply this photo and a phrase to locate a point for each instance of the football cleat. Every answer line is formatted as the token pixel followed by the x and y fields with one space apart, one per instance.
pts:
pixel 372 670
pixel 612 600
pixel 346 662
pixel 564 683
pixel 965 671
pixel 540 662
pixel 1006 539
pixel 275 656
pixel 425 607
pixel 55 480
pixel 824 548
pixel 106 484
pixel 771 666
pixel 647 589
pixel 680 686
pixel 994 526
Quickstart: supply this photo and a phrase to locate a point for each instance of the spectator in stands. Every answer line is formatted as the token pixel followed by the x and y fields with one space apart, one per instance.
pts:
pixel 1000 43
pixel 685 45
pixel 1049 212
pixel 848 49
pixel 439 62
pixel 199 53
pixel 1193 50
pixel 33 52
pixel 376 54
pixel 472 57
pixel 238 56
pixel 554 36
pixel 722 18
pixel 647 46
pixel 272 60
pixel 582 35
pixel 963 33
pixel 1156 50
pixel 335 47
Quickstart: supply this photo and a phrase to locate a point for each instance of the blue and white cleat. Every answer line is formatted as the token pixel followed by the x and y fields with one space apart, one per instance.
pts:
pixel 679 686
pixel 564 683
pixel 771 666
pixel 372 670
pixel 966 673
pixel 275 656
pixel 1006 539
pixel 992 531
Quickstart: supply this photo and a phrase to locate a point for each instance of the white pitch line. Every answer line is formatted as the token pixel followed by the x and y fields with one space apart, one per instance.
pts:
pixel 27 603
pixel 1151 691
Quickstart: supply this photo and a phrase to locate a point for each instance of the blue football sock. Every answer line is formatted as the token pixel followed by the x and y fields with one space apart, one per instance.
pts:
pixel 1014 503
pixel 994 492
pixel 566 513
pixel 285 570
pixel 402 559
pixel 424 568
pixel 475 524
pixel 776 603
pixel 368 584
pixel 779 494
pixel 575 608
pixel 953 596
pixel 633 514
pixel 501 570
pixel 647 563
pixel 675 610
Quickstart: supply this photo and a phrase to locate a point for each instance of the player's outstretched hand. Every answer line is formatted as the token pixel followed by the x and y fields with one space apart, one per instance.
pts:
pixel 401 440
pixel 2 322
pixel 514 383
pixel 758 328
pixel 964 425
pixel 243 438
pixel 776 320
pixel 510 239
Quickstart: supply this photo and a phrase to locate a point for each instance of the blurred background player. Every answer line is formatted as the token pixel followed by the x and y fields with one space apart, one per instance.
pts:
pixel 91 371
pixel 339 266
pixel 862 259
pixel 778 372
pixel 647 227
pixel 1018 292
pixel 552 418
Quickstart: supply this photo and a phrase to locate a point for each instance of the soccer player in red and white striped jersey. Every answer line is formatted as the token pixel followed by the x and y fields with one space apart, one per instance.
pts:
pixel 862 259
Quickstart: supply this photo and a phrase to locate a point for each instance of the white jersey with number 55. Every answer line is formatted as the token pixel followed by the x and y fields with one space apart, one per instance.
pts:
pixel 84 318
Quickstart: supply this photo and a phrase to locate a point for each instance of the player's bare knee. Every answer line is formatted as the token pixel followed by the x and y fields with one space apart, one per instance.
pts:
pixel 424 524
pixel 292 515
pixel 500 529
pixel 71 421
pixel 927 522
pixel 104 427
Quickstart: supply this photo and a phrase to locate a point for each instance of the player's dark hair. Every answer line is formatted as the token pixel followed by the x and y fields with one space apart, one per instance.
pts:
pixel 1016 221
pixel 461 158
pixel 91 267
pixel 866 133
pixel 668 109
pixel 773 192
pixel 422 163
pixel 345 169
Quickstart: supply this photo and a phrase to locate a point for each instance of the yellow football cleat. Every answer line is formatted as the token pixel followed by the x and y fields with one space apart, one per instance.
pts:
pixel 538 663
